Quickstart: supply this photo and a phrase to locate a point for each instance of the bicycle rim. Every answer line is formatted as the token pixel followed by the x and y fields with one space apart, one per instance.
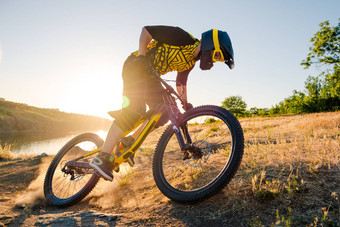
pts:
pixel 66 188
pixel 212 134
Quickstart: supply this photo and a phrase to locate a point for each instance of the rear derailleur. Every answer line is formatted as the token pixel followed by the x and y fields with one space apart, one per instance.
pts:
pixel 74 172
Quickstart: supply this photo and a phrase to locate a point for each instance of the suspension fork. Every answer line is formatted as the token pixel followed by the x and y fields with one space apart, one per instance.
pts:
pixel 185 131
pixel 176 118
pixel 186 147
pixel 184 141
pixel 180 138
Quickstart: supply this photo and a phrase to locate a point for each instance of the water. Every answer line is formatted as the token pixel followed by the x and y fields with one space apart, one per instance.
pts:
pixel 38 143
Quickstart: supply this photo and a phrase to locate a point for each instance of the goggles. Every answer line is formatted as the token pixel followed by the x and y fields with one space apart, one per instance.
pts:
pixel 217 54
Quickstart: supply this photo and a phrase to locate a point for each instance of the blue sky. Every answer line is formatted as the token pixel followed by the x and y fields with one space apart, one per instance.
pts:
pixel 68 54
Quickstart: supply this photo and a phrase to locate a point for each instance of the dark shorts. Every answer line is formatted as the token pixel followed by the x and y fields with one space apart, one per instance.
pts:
pixel 138 91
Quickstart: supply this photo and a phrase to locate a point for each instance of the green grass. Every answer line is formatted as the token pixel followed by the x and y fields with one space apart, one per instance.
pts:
pixel 214 129
pixel 210 120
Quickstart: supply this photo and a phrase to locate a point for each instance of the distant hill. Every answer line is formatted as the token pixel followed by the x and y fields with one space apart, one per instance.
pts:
pixel 17 117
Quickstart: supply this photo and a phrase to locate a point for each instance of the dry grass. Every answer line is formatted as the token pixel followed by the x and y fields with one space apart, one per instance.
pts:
pixel 293 141
pixel 5 152
pixel 293 162
pixel 289 174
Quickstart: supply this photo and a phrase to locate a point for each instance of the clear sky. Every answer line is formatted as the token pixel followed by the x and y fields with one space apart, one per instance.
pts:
pixel 68 54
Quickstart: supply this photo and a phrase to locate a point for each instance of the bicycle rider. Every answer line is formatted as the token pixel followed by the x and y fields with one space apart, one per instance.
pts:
pixel 163 49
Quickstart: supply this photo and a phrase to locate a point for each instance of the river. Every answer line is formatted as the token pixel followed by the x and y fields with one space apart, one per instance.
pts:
pixel 38 143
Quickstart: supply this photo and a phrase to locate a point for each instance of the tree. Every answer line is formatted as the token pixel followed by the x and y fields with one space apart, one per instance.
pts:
pixel 253 111
pixel 263 111
pixel 325 47
pixel 325 53
pixel 236 105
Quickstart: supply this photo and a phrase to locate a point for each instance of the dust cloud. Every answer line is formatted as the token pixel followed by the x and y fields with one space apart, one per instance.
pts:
pixel 132 187
pixel 34 195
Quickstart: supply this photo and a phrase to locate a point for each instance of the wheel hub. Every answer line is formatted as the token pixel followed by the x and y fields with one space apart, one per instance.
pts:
pixel 199 154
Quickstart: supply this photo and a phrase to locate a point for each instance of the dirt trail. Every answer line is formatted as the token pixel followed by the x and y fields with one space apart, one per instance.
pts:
pixel 133 199
pixel 15 177
pixel 23 204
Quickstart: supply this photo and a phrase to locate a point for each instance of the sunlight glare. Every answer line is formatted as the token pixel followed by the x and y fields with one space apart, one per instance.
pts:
pixel 102 134
pixel 93 93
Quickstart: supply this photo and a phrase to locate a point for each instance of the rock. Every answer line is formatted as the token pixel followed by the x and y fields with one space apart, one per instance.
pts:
pixel 5 217
pixel 43 155
pixel 6 220
pixel 20 206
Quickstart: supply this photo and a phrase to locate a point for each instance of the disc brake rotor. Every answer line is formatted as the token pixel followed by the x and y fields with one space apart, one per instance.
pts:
pixel 206 151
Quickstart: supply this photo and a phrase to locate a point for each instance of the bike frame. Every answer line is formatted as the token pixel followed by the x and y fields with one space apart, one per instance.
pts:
pixel 175 118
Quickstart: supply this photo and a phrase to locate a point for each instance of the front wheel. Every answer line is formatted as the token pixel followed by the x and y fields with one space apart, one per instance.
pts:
pixel 217 140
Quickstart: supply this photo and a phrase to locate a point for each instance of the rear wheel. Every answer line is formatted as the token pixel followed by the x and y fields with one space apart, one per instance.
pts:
pixel 216 151
pixel 65 186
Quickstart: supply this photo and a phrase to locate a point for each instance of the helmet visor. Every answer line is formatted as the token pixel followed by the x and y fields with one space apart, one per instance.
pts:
pixel 230 63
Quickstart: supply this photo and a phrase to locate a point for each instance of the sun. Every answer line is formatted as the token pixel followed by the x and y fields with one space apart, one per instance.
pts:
pixel 93 95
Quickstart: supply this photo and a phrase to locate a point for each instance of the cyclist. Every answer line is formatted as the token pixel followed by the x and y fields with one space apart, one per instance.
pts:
pixel 163 49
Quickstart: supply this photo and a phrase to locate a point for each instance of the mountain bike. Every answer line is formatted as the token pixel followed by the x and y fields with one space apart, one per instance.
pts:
pixel 197 155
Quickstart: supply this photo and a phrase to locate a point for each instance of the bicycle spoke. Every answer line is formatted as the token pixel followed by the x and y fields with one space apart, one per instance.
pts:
pixel 62 185
pixel 213 139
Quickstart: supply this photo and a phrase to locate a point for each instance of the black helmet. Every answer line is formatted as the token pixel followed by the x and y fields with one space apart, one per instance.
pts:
pixel 216 43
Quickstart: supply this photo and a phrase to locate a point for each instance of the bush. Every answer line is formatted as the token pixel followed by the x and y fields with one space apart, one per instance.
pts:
pixel 210 120
pixel 236 105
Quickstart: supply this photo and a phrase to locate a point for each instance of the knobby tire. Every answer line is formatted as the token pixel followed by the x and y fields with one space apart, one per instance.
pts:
pixel 50 196
pixel 227 172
